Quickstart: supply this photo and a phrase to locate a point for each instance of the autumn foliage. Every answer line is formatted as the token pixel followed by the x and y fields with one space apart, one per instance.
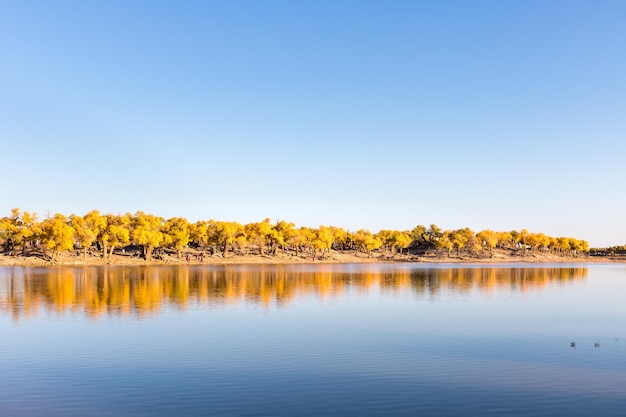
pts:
pixel 151 236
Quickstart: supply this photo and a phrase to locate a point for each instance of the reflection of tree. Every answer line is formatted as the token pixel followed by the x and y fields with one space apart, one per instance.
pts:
pixel 145 290
pixel 487 279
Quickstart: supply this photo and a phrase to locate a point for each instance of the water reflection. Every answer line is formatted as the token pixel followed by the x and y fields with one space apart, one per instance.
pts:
pixel 142 291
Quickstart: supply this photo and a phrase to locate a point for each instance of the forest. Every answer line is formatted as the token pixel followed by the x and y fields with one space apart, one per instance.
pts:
pixel 153 237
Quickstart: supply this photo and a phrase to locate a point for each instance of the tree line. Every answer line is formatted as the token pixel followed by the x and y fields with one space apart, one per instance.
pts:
pixel 619 250
pixel 22 232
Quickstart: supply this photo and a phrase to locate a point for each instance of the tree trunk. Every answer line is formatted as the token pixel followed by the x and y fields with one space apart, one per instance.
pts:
pixel 84 254
pixel 225 250
pixel 111 251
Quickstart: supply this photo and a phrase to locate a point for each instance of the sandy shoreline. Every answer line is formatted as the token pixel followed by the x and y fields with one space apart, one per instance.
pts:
pixel 334 258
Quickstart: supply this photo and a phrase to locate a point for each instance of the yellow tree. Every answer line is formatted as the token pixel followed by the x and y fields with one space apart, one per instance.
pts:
pixel 387 238
pixel 57 235
pixel 366 241
pixel 116 233
pixel 563 244
pixel 553 245
pixel 524 237
pixel 543 241
pixel 445 242
pixel 532 241
pixel 19 228
pixel 147 232
pixel 31 229
pixel 203 233
pixel 88 228
pixel 259 234
pixel 402 240
pixel 340 236
pixel 584 246
pixel 371 244
pixel 419 235
pixel 198 233
pixel 488 239
pixel 298 239
pixel 578 246
pixel 503 238
pixel 229 234
pixel 283 233
pixel 176 233
pixel 358 239
pixel 10 229
pixel 322 239
pixel 395 239
pixel 212 234
pixel 307 237
pixel 516 238
pixel 434 233
pixel 460 238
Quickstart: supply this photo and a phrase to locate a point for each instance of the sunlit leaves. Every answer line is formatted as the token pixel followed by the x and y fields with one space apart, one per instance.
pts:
pixel 419 235
pixel 260 234
pixel 263 238
pixel 88 228
pixel 19 229
pixel 176 233
pixel 228 234
pixel 365 241
pixel 394 239
pixel 147 232
pixel 116 232
pixel 488 239
pixel 57 235
pixel 322 239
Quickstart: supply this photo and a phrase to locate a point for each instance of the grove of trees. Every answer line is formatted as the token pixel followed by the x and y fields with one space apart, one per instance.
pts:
pixel 23 233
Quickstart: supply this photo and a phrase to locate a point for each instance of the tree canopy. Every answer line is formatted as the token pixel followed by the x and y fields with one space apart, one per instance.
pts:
pixel 21 231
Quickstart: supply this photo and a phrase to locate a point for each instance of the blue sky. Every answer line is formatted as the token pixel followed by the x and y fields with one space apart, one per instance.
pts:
pixel 360 114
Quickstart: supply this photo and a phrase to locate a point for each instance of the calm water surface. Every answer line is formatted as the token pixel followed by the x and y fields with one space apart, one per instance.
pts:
pixel 306 340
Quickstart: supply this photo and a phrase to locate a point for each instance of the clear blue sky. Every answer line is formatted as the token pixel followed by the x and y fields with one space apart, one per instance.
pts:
pixel 361 114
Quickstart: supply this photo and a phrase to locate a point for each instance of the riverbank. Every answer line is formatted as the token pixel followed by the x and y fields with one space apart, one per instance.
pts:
pixel 337 257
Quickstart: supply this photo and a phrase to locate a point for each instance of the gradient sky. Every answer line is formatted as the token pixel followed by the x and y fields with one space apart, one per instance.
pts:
pixel 360 114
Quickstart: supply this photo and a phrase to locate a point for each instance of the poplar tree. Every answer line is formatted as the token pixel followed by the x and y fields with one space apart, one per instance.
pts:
pixel 147 232
pixel 87 229
pixel 57 235
pixel 176 233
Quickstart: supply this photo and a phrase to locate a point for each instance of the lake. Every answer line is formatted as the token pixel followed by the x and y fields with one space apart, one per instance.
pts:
pixel 309 340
